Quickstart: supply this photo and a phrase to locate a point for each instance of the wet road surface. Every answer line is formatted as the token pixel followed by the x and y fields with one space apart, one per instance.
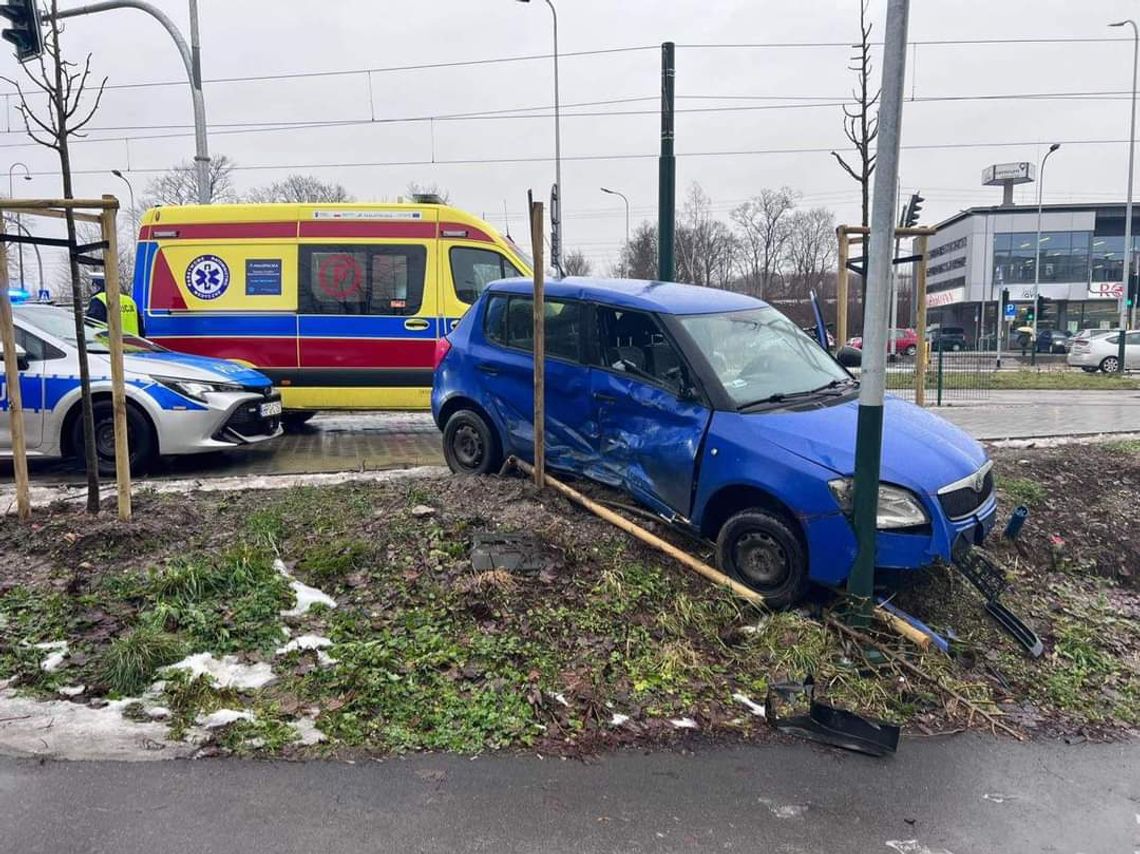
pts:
pixel 954 795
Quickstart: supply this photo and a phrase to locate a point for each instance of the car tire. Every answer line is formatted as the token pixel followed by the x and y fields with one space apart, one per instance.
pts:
pixel 141 443
pixel 470 445
pixel 1088 370
pixel 293 422
pixel 760 550
pixel 1110 365
pixel 911 350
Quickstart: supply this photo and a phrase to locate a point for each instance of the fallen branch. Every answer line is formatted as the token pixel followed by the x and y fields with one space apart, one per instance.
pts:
pixel 865 641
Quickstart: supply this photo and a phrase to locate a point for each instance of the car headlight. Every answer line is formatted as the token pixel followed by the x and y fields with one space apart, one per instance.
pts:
pixel 196 389
pixel 898 507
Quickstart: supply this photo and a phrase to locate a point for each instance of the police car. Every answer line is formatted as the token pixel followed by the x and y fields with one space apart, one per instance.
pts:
pixel 176 403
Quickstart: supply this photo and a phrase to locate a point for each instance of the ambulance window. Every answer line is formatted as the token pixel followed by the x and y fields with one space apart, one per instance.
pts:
pixel 355 279
pixel 473 269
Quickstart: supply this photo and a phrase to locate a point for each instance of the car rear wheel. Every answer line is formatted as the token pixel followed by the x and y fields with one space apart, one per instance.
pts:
pixel 1110 365
pixel 1089 370
pixel 469 444
pixel 140 438
pixel 759 549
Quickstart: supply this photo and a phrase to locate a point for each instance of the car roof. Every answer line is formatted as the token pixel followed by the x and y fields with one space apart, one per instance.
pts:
pixel 659 297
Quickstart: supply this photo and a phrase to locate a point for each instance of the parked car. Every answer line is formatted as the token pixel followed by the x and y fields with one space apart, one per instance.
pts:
pixel 1052 341
pixel 1103 353
pixel 715 411
pixel 948 338
pixel 176 404
pixel 906 341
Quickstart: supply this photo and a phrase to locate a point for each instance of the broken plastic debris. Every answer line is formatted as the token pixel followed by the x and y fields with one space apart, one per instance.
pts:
pixel 228 672
pixel 755 708
pixel 684 723
pixel 224 717
pixel 561 699
pixel 913 846
pixel 307 597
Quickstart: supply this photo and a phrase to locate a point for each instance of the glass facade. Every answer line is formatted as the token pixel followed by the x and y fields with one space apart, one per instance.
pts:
pixel 1066 256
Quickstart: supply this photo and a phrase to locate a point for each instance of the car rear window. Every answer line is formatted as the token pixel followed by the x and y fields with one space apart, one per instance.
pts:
pixel 509 322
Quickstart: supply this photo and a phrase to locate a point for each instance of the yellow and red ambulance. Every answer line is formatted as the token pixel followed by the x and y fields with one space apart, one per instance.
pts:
pixel 339 304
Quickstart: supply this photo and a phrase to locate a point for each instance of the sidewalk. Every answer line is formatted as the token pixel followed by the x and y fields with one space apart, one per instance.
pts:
pixel 1034 414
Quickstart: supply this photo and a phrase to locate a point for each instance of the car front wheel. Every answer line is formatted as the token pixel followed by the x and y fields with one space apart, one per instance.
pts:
pixel 911 350
pixel 1110 365
pixel 140 438
pixel 758 549
pixel 469 444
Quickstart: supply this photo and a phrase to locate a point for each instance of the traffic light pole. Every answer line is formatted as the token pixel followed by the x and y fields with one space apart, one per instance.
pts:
pixel 667 171
pixel 193 71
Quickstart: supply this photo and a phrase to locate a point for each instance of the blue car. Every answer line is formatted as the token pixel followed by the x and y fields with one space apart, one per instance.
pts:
pixel 716 412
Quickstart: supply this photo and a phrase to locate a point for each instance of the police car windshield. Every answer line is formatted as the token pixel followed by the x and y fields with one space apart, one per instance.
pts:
pixel 60 323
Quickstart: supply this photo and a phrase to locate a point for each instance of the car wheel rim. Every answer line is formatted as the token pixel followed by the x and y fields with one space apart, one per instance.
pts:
pixel 1110 366
pixel 105 439
pixel 761 560
pixel 468 446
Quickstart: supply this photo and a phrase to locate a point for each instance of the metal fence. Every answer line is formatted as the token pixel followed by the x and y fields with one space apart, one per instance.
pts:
pixel 960 376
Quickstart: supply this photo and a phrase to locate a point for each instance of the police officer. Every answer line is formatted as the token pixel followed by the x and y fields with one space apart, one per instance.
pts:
pixel 97 308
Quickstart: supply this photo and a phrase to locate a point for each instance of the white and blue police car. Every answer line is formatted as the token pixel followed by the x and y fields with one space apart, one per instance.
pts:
pixel 176 403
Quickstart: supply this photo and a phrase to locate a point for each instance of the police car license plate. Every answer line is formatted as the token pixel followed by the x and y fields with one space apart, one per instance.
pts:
pixel 268 410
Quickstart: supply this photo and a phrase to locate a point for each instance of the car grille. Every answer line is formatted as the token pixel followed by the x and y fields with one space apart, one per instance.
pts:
pixel 247 421
pixel 960 501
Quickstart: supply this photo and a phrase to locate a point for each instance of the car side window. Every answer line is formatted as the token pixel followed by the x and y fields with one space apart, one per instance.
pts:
pixel 510 322
pixel 631 342
pixel 37 349
pixel 473 269
pixel 1132 338
pixel 361 279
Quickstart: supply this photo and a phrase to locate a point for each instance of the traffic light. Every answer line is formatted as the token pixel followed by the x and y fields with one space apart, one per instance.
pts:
pixel 1043 309
pixel 24 31
pixel 1030 313
pixel 913 209
pixel 1133 289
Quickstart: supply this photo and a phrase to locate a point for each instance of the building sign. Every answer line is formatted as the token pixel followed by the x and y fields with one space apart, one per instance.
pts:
pixel 1106 290
pixel 1018 173
pixel 938 299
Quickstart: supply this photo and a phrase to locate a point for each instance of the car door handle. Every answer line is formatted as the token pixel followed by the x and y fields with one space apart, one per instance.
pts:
pixel 605 398
pixel 488 369
pixel 416 324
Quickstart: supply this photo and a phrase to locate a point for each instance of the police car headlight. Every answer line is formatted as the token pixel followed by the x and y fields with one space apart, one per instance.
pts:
pixel 195 389
pixel 898 507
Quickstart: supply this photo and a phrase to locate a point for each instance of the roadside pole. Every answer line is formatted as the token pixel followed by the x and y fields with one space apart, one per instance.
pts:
pixel 869 433
pixel 539 346
pixel 921 348
pixel 115 334
pixel 841 280
pixel 12 383
pixel 667 172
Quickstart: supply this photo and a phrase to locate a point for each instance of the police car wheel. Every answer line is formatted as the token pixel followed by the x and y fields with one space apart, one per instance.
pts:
pixel 469 444
pixel 759 549
pixel 140 438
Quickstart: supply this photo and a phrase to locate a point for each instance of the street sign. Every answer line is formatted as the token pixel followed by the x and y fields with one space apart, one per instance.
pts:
pixel 1010 311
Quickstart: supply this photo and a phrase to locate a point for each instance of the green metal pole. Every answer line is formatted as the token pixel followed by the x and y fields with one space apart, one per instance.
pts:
pixel 667 175
pixel 940 351
pixel 869 427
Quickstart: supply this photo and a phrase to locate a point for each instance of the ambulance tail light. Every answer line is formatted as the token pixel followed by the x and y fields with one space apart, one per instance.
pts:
pixel 442 348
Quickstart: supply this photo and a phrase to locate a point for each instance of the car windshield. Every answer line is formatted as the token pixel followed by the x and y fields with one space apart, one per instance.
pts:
pixel 60 323
pixel 759 355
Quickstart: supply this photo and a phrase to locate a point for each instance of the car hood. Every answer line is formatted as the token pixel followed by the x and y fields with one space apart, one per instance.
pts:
pixel 186 367
pixel 920 450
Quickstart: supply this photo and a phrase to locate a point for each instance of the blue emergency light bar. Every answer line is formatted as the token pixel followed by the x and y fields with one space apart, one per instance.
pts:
pixel 18 295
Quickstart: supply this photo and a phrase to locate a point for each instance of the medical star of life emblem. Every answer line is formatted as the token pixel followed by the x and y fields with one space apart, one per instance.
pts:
pixel 207 277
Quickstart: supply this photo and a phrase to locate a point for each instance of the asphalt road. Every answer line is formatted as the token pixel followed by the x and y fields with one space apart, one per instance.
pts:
pixel 962 795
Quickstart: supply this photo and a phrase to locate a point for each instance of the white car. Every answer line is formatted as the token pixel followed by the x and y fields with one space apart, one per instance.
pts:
pixel 1103 353
pixel 176 404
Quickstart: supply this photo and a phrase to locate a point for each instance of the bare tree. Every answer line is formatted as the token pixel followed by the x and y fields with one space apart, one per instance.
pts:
pixel 763 229
pixel 705 246
pixel 576 264
pixel 179 186
pixel 861 120
pixel 65 84
pixel 811 251
pixel 639 255
pixel 415 188
pixel 301 189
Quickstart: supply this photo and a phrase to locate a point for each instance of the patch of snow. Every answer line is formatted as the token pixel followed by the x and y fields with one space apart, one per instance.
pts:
pixel 41 496
pixel 305 642
pixel 913 846
pixel 158 713
pixel 684 723
pixel 307 732
pixel 224 717
pixel 618 720
pixel 55 660
pixel 307 597
pixel 997 797
pixel 1058 441
pixel 227 672
pixel 421 510
pixel 279 567
pixel 785 810
pixel 71 690
pixel 61 729
pixel 755 708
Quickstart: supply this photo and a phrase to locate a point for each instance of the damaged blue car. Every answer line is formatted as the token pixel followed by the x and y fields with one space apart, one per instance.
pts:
pixel 717 413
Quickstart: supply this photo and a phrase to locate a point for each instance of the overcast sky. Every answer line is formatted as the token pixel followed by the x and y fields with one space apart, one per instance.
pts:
pixel 286 37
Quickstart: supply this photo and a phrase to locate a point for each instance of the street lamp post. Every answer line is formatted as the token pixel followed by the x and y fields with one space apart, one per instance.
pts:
pixel 131 191
pixel 625 199
pixel 11 193
pixel 1037 251
pixel 1128 207
pixel 556 213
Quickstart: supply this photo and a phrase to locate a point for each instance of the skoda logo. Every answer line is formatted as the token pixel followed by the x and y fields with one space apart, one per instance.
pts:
pixel 979 482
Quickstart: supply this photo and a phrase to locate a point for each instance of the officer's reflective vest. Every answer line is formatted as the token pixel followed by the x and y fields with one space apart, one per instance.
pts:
pixel 129 310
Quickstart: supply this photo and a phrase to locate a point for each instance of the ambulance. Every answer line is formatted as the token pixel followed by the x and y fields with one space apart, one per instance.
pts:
pixel 340 305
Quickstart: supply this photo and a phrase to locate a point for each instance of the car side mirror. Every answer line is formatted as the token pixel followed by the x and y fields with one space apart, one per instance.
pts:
pixel 22 361
pixel 849 357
